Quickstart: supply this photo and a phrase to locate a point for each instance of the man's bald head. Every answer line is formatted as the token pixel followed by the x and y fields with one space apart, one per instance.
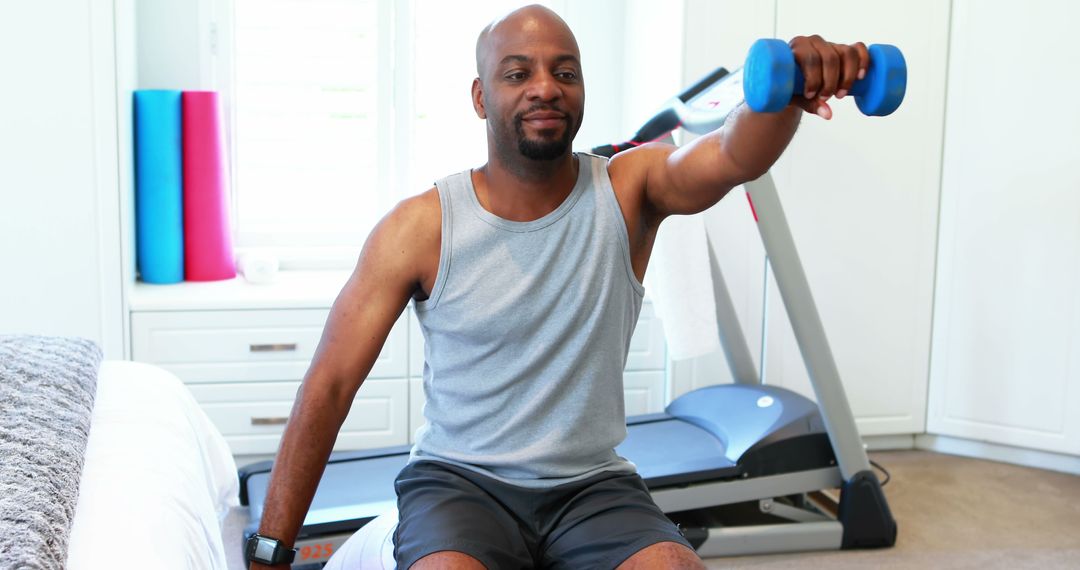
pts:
pixel 517 24
pixel 529 87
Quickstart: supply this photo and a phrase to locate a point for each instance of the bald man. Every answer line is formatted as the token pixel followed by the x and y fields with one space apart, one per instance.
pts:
pixel 525 274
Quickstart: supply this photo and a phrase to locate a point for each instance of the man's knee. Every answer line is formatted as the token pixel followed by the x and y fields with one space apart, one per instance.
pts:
pixel 447 560
pixel 668 555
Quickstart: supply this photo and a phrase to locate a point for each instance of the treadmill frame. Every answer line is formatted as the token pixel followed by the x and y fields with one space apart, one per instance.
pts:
pixel 863 511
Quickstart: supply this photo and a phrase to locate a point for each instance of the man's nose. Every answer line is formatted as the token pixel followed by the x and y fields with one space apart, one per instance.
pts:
pixel 544 87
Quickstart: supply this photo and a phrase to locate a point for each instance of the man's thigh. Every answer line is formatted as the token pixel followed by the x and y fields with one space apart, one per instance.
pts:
pixel 605 523
pixel 439 510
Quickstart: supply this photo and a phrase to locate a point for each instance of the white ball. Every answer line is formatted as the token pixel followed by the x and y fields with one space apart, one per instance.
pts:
pixel 258 267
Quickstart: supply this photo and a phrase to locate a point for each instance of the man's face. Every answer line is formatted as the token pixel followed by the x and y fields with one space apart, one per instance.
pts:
pixel 531 88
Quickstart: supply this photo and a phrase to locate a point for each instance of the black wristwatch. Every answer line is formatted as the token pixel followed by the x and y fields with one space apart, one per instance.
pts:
pixel 269 551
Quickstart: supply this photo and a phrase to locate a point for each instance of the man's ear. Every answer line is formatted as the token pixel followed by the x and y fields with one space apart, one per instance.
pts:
pixel 478 98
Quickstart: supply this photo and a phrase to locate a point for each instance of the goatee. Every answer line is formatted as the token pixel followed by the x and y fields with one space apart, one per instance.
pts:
pixel 542 149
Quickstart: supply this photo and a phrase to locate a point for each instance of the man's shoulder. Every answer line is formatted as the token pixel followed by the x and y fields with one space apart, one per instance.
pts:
pixel 629 170
pixel 408 236
pixel 416 220
pixel 640 158
pixel 420 210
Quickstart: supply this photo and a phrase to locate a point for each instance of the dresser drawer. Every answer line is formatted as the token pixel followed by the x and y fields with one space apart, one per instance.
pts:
pixel 252 415
pixel 236 346
pixel 643 392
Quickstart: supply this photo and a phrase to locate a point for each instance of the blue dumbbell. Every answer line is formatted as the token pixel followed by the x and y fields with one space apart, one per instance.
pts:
pixel 770 77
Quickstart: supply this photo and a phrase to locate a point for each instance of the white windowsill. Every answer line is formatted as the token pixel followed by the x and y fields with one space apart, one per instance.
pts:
pixel 291 289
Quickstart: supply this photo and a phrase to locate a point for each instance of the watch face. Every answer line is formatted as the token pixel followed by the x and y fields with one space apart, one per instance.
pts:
pixel 264 549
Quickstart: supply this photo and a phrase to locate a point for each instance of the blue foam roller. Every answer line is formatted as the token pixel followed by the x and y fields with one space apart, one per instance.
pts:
pixel 159 187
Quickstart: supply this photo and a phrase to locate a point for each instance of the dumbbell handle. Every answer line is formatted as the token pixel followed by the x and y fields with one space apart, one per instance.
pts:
pixel 858 89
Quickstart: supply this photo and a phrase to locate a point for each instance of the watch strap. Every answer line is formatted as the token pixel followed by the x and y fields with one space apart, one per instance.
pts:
pixel 280 554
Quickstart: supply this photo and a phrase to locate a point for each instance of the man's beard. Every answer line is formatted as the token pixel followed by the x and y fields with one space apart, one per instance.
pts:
pixel 542 149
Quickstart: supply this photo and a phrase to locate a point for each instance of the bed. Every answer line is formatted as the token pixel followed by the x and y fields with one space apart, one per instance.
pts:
pixel 158 485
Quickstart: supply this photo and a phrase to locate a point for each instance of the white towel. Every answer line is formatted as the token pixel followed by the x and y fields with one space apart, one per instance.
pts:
pixel 680 284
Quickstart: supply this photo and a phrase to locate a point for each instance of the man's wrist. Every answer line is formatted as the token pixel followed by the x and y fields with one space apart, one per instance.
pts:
pixel 268 550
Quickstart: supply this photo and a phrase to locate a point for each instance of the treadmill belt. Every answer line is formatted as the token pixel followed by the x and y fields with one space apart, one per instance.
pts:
pixel 348 491
pixel 674 452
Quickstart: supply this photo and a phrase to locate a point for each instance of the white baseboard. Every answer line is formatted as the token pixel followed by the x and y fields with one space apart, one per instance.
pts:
pixel 998 452
pixel 243 460
pixel 889 442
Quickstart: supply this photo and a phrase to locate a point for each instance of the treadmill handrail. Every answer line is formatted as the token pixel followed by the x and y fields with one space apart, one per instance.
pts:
pixel 806 324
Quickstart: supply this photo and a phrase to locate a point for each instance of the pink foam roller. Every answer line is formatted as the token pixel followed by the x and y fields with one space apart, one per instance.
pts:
pixel 208 252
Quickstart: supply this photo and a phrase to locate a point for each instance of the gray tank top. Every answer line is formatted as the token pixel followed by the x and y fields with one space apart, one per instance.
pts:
pixel 526 334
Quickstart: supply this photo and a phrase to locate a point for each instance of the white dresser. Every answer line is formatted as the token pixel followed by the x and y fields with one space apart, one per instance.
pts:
pixel 243 349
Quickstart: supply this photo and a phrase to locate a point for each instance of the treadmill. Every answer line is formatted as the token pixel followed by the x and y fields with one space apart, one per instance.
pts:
pixel 742 468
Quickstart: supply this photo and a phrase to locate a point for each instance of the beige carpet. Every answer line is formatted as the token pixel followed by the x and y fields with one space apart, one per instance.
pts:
pixel 955 512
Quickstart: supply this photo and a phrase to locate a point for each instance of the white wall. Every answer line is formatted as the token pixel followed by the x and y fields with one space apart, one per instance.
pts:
pixel 652 50
pixel 174 44
pixel 59 206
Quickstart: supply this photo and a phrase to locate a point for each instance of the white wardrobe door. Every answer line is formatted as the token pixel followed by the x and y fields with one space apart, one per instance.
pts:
pixel 1006 351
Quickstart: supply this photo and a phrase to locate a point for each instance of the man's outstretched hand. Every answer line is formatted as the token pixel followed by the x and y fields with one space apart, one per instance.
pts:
pixel 829 70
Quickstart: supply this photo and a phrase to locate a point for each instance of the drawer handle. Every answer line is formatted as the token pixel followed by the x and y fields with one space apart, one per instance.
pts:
pixel 269 421
pixel 283 347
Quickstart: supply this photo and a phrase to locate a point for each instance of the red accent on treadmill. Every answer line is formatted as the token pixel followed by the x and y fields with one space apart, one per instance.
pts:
pixel 752 210
pixel 639 143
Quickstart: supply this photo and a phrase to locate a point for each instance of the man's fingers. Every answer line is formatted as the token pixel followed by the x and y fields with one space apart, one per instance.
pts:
pixel 830 67
pixel 816 106
pixel 849 70
pixel 809 61
pixel 824 110
pixel 864 58
pixel 828 70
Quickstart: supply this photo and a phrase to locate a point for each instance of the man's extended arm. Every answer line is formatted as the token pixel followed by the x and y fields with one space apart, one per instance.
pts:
pixel 386 275
pixel 691 179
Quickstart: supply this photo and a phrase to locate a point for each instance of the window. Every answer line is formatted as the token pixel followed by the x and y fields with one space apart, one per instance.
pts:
pixel 340 108
pixel 309 122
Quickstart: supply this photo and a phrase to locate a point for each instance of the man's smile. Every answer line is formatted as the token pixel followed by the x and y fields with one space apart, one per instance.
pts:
pixel 544 119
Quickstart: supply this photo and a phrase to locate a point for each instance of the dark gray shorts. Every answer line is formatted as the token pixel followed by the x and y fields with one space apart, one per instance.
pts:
pixel 595 523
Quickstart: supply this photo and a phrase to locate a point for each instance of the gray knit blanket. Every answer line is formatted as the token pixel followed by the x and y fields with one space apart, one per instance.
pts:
pixel 47 388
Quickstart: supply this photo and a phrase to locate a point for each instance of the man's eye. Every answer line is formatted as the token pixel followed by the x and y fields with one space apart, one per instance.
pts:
pixel 515 76
pixel 567 75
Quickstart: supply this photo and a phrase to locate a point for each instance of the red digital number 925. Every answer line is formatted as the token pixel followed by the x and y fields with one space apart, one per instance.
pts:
pixel 317 551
